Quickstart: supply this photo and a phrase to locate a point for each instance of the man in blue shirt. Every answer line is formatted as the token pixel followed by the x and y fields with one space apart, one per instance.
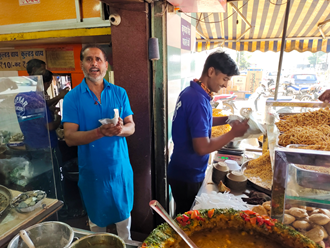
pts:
pixel 105 172
pixel 191 129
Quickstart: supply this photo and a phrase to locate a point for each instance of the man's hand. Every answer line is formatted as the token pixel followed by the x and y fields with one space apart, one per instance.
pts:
pixel 325 97
pixel 53 108
pixel 63 93
pixel 239 128
pixel 112 130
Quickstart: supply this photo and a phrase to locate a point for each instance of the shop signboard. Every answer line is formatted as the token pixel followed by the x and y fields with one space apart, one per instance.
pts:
pixel 10 60
pixel 28 2
pixel 185 35
pixel 253 79
pixel 15 60
pixel 60 59
pixel 28 54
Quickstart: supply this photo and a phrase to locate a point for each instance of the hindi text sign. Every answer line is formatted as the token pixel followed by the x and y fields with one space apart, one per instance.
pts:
pixel 185 35
pixel 10 60
pixel 28 54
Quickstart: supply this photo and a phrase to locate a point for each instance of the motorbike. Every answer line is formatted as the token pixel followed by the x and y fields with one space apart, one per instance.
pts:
pixel 298 92
pixel 226 101
pixel 260 96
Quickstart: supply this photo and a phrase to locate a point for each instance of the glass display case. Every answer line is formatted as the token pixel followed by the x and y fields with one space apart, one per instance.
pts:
pixel 29 159
pixel 26 159
pixel 275 110
pixel 300 179
pixel 298 135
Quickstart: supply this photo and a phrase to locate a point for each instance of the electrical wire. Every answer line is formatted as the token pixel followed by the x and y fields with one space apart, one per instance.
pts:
pixel 278 4
pixel 212 13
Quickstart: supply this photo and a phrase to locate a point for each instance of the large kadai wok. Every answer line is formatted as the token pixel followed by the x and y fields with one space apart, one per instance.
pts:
pixel 228 228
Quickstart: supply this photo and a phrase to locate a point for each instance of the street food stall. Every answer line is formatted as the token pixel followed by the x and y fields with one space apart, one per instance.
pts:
pixel 286 200
pixel 291 168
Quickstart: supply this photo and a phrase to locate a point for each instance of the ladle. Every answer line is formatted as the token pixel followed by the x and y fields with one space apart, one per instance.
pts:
pixel 26 239
pixel 155 205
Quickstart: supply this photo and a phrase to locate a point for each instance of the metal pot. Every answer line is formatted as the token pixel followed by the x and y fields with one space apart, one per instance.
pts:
pixel 233 144
pixel 51 234
pixel 102 240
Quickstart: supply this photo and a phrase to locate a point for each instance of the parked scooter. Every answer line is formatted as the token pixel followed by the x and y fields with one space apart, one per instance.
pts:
pixel 259 98
pixel 267 84
pixel 226 101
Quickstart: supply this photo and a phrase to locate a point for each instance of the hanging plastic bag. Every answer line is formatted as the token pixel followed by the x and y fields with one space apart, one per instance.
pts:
pixel 255 128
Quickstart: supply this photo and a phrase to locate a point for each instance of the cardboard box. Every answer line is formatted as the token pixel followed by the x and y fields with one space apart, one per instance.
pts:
pixel 240 95
pixel 239 82
pixel 254 77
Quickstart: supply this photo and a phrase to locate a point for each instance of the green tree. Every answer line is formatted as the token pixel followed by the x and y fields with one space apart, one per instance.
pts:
pixel 315 58
pixel 243 60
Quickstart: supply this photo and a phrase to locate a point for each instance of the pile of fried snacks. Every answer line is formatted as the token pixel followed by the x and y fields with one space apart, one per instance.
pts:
pixel 307 135
pixel 259 171
pixel 310 128
pixel 314 168
pixel 311 118
pixel 219 130
pixel 322 146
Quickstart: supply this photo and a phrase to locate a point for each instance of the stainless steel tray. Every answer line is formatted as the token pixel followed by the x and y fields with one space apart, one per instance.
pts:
pixel 312 179
pixel 254 185
pixel 297 104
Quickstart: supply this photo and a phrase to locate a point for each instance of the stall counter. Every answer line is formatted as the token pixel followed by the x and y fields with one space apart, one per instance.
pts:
pixel 11 222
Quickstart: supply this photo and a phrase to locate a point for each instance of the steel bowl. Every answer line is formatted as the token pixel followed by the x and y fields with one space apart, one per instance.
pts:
pixel 102 240
pixel 51 234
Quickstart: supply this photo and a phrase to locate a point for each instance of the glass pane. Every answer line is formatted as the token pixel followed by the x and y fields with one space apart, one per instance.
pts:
pixel 27 148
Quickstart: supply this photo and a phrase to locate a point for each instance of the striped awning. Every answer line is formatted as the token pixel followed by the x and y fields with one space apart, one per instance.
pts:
pixel 308 19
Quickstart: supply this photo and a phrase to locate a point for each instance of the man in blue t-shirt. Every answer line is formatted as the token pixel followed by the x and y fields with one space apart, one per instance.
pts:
pixel 191 129
pixel 105 171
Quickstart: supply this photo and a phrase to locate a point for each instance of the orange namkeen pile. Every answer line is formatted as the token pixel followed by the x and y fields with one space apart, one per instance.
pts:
pixel 312 119
pixel 311 128
pixel 322 146
pixel 219 130
pixel 304 135
pixel 315 168
pixel 260 172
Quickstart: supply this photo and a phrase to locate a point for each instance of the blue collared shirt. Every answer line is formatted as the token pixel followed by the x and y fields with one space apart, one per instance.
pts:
pixel 192 119
pixel 105 172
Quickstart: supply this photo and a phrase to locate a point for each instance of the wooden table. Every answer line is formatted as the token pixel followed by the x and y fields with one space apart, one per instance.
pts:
pixel 12 222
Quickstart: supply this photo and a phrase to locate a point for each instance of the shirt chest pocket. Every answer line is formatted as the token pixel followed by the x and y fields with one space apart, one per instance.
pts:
pixel 109 111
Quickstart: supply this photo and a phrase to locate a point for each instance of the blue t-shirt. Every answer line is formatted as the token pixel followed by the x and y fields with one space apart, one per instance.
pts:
pixel 192 119
pixel 31 114
pixel 105 172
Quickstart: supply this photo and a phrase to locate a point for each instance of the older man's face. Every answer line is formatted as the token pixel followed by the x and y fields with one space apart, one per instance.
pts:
pixel 94 65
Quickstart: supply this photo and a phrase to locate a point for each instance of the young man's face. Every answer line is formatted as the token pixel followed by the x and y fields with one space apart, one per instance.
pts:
pixel 46 85
pixel 94 65
pixel 217 80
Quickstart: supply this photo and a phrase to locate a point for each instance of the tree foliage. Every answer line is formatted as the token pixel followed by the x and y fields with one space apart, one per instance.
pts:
pixel 315 58
pixel 243 60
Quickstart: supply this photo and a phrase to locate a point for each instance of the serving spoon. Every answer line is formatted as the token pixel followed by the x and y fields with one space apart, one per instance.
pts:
pixel 26 239
pixel 155 205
